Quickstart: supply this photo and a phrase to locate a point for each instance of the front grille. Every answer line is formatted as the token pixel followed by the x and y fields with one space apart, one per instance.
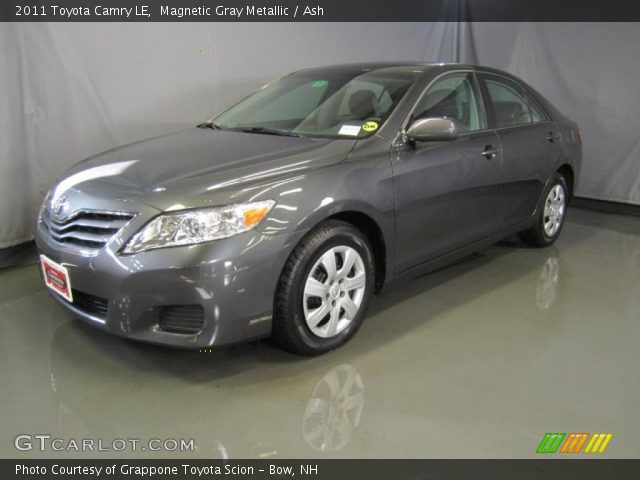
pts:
pixel 96 306
pixel 188 319
pixel 86 229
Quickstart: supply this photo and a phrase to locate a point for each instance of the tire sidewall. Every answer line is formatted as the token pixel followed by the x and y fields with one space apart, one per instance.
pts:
pixel 347 237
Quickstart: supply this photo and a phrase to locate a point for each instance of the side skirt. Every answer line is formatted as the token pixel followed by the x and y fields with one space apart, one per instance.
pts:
pixel 458 254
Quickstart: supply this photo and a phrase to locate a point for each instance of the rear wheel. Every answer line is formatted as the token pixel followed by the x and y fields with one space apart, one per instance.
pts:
pixel 324 290
pixel 551 214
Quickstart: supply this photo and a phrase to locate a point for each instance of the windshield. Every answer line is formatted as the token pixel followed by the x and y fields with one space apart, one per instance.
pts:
pixel 317 104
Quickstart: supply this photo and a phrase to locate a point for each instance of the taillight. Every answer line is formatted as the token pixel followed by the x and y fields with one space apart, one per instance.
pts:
pixel 578 137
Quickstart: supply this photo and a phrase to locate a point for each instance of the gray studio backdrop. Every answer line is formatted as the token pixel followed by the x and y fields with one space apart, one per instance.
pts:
pixel 72 90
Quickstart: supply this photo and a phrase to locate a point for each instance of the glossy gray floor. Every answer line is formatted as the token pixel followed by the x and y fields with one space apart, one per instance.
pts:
pixel 477 360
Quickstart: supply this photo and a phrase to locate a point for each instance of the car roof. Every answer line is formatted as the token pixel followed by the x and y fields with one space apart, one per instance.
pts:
pixel 354 68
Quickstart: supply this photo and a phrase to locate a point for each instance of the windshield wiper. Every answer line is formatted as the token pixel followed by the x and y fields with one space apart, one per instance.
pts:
pixel 210 125
pixel 265 131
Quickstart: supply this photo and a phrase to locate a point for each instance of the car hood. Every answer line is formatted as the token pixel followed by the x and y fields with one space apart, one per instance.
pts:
pixel 197 167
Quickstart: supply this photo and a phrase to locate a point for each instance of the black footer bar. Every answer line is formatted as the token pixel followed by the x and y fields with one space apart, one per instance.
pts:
pixel 583 469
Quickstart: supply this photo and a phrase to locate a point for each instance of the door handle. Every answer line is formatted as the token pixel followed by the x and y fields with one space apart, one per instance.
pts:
pixel 551 137
pixel 489 152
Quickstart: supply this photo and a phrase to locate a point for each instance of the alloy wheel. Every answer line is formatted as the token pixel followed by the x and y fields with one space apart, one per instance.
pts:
pixel 554 208
pixel 334 291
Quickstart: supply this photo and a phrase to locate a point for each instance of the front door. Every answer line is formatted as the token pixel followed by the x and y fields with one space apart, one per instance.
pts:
pixel 446 192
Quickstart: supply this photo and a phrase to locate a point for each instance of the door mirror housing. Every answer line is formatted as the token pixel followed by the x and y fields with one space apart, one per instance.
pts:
pixel 431 130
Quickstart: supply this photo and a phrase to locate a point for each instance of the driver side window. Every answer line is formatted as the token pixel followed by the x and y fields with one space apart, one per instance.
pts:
pixel 455 97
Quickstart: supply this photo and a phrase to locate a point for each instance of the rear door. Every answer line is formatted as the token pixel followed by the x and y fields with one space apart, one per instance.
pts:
pixel 530 147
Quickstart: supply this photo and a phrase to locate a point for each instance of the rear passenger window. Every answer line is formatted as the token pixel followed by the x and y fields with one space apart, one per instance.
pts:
pixel 511 104
pixel 537 114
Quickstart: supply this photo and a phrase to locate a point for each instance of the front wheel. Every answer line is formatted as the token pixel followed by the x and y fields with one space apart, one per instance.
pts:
pixel 324 290
pixel 551 214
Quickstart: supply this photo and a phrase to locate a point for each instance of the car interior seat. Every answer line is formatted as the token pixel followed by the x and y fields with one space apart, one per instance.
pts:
pixel 363 104
pixel 509 113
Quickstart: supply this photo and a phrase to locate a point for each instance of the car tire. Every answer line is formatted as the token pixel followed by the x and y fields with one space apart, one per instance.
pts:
pixel 550 215
pixel 324 289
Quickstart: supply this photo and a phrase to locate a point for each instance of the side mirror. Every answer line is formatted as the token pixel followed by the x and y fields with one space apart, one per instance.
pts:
pixel 431 130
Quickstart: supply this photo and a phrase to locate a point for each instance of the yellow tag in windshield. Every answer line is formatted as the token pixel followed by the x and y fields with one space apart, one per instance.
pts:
pixel 370 126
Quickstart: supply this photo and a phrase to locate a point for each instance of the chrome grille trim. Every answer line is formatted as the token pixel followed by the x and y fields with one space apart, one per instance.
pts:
pixel 86 229
pixel 114 225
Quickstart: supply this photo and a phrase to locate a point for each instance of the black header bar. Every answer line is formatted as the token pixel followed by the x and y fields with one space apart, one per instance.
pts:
pixel 319 10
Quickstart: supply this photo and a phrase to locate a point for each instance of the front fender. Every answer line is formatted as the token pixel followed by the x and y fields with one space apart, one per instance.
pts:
pixel 361 186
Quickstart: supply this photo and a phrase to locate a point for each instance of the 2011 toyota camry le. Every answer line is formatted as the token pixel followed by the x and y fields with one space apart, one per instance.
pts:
pixel 283 214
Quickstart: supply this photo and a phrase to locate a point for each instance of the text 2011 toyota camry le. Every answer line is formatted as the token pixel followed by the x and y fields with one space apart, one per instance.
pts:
pixel 282 215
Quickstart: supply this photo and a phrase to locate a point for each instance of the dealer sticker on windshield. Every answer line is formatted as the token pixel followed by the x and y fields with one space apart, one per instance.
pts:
pixel 370 126
pixel 56 277
pixel 352 130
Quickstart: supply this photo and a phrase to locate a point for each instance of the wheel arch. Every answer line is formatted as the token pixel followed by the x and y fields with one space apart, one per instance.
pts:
pixel 377 226
pixel 567 172
pixel 370 228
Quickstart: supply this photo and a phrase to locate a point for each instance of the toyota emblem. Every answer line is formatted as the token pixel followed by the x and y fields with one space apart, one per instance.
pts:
pixel 60 207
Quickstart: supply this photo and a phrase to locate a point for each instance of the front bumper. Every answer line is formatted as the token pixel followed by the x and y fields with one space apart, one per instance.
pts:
pixel 233 280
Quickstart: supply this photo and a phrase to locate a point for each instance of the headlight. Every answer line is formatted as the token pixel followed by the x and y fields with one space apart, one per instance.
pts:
pixel 198 226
